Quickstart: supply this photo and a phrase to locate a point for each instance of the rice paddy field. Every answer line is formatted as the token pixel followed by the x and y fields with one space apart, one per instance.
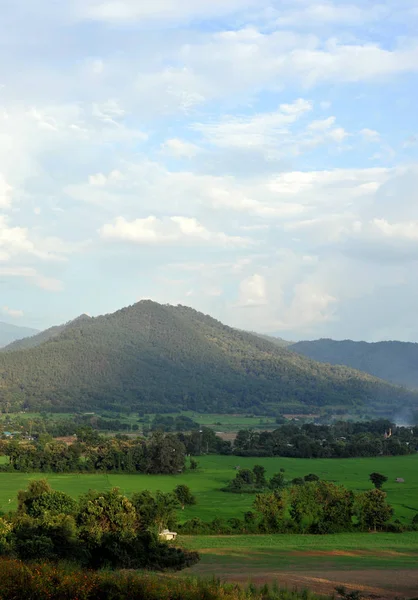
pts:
pixel 215 471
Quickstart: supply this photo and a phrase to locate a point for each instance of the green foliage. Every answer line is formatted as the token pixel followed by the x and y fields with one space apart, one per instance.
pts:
pixel 193 464
pixel 260 476
pixel 322 507
pixel 184 496
pixel 373 512
pixel 251 481
pixel 104 529
pixel 153 358
pixel 157 509
pixel 311 477
pixel 162 453
pixel 341 439
pixel 272 508
pixel 277 481
pixel 378 480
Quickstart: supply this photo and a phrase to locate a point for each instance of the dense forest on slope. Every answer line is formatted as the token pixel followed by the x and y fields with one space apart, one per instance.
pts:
pixel 396 362
pixel 9 333
pixel 154 357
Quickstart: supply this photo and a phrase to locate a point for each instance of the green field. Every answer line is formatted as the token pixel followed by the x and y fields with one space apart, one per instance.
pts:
pixel 344 550
pixel 231 422
pixel 215 471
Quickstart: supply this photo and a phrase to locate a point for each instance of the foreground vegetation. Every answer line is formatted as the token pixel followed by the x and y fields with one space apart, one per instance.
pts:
pixel 43 581
pixel 101 529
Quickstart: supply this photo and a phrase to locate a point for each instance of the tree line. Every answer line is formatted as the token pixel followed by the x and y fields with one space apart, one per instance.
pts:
pixel 160 454
pixel 165 453
pixel 310 506
pixel 339 440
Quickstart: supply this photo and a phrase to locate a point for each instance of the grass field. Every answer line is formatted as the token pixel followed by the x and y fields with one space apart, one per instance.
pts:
pixel 215 471
pixel 379 565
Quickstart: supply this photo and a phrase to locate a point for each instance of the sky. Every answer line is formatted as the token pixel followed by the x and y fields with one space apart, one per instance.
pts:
pixel 254 159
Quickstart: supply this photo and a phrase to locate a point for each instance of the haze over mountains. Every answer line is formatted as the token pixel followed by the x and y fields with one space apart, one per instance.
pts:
pixel 396 362
pixel 9 333
pixel 154 357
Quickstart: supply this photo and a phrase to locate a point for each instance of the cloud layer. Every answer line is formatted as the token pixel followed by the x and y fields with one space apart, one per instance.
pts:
pixel 254 159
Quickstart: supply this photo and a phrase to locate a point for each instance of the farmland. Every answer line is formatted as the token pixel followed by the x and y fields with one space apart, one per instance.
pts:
pixel 215 471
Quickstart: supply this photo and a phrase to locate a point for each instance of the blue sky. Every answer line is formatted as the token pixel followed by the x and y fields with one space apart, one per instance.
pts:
pixel 254 159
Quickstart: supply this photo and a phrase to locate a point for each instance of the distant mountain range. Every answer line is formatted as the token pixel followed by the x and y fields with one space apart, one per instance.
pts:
pixel 154 357
pixel 9 333
pixel 39 337
pixel 396 362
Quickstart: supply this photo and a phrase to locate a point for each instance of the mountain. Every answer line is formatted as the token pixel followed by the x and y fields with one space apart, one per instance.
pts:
pixel 43 336
pixel 9 333
pixel 396 362
pixel 154 357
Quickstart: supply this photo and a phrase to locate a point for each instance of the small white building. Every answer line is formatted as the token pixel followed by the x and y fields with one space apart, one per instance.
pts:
pixel 167 535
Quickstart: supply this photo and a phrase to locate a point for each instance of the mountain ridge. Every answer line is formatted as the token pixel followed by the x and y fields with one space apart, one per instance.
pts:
pixel 394 361
pixel 154 357
pixel 41 337
pixel 9 333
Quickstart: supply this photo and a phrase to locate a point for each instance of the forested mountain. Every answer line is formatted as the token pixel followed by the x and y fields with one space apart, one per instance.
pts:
pixel 42 336
pixel 154 357
pixel 396 362
pixel 9 333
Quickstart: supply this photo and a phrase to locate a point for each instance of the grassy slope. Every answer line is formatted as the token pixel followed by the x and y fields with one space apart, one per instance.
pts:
pixel 215 471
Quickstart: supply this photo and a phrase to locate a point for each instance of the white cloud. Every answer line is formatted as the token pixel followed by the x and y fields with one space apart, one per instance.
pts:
pixel 169 231
pixel 370 135
pixel 12 312
pixel 329 13
pixel 406 230
pixel 165 10
pixel 256 131
pixel 252 291
pixel 248 60
pixel 5 193
pixel 101 180
pixel 322 124
pixel 180 148
pixel 33 276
